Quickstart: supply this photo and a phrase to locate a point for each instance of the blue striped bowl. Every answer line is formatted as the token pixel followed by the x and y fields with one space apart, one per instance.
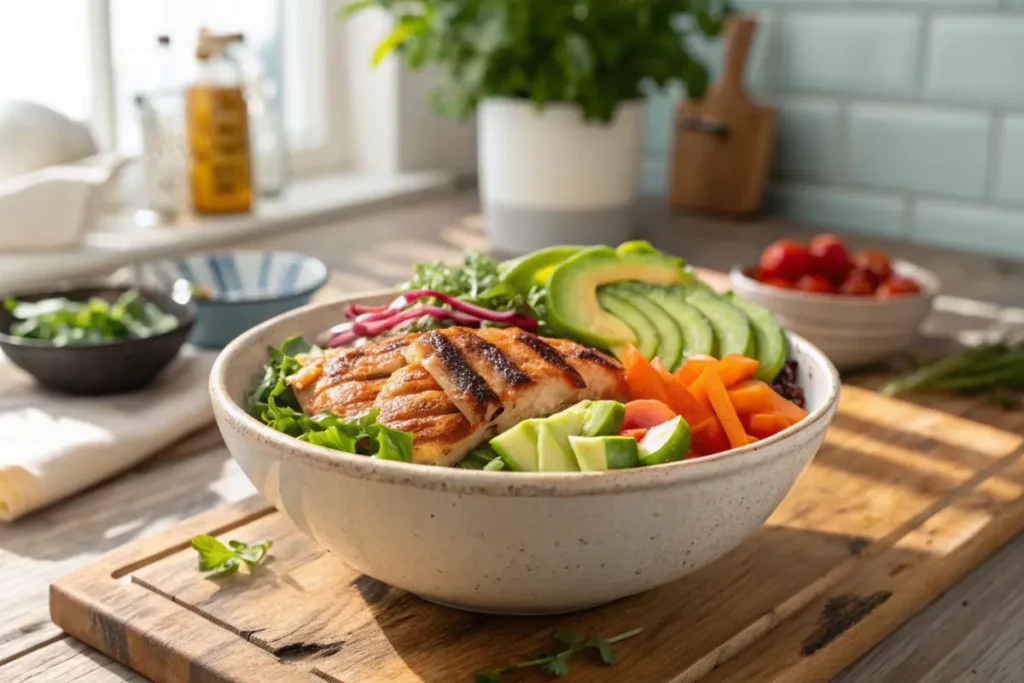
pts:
pixel 238 289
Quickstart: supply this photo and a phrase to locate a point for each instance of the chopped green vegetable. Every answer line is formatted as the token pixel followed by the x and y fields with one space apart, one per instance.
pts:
pixel 996 369
pixel 557 663
pixel 78 323
pixel 218 558
pixel 273 401
pixel 476 281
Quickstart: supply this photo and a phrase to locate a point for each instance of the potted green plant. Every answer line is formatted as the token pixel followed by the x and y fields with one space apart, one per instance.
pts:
pixel 559 87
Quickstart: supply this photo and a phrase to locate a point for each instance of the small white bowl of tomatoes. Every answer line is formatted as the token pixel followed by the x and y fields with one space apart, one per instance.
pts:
pixel 860 308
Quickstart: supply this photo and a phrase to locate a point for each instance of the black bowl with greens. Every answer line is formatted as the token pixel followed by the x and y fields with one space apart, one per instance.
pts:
pixel 93 340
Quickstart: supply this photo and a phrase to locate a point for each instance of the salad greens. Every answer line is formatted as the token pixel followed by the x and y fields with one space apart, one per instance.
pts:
pixel 218 558
pixel 273 401
pixel 71 323
pixel 557 663
pixel 996 369
pixel 477 281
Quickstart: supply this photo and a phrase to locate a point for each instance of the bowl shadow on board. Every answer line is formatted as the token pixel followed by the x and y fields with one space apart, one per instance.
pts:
pixel 443 644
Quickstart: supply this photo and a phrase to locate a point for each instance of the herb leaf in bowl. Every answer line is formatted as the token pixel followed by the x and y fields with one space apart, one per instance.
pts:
pixel 70 323
pixel 274 403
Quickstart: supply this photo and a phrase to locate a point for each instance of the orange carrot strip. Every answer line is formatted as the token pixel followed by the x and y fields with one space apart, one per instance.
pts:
pixel 682 401
pixel 752 397
pixel 691 369
pixel 735 368
pixel 719 398
pixel 642 380
pixel 765 425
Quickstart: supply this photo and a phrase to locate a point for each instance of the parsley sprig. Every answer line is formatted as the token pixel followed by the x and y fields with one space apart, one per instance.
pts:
pixel 218 558
pixel 557 663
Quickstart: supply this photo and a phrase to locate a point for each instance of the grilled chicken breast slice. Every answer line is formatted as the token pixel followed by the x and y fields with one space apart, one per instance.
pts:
pixel 412 401
pixel 559 374
pixel 349 379
pixel 453 389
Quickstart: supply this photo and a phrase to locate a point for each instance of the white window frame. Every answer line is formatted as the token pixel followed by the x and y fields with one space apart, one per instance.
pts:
pixel 311 62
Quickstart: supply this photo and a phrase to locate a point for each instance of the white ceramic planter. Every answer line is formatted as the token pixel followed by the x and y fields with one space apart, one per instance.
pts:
pixel 549 177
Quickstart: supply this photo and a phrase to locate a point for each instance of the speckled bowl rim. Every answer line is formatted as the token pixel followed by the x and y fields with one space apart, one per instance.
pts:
pixel 931 283
pixel 505 483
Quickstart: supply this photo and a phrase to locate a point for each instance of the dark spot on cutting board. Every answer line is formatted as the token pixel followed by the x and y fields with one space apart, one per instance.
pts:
pixel 297 652
pixel 858 544
pixel 899 569
pixel 372 590
pixel 840 613
pixel 115 641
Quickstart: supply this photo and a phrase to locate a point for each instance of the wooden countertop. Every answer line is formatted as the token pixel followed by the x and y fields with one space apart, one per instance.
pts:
pixel 975 632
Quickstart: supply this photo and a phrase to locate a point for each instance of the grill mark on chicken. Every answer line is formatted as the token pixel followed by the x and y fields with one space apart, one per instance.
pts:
pixel 595 357
pixel 504 368
pixel 552 357
pixel 464 379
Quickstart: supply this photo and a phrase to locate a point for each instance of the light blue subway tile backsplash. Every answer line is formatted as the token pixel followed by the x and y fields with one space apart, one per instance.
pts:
pixel 913 148
pixel 998 231
pixel 1010 173
pixel 854 52
pixel 893 117
pixel 654 175
pixel 661 106
pixel 977 59
pixel 874 213
pixel 808 140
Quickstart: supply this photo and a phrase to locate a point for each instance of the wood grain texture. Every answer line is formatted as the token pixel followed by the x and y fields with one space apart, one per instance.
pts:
pixel 902 500
pixel 722 142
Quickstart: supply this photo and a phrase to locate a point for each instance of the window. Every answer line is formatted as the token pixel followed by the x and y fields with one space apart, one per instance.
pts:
pixel 89 58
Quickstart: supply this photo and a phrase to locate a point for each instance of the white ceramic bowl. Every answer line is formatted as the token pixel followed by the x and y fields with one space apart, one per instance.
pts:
pixel 512 543
pixel 851 330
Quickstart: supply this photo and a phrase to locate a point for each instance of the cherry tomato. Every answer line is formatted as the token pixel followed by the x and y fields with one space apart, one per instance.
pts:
pixel 786 259
pixel 897 286
pixel 830 257
pixel 779 282
pixel 875 264
pixel 857 283
pixel 815 283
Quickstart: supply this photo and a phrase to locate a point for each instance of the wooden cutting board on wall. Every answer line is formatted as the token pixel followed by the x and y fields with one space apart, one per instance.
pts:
pixel 902 501
pixel 722 143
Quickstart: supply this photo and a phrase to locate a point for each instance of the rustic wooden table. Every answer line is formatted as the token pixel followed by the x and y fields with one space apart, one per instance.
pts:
pixel 975 632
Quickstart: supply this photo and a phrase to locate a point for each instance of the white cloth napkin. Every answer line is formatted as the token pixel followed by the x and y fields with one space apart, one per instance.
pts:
pixel 52 446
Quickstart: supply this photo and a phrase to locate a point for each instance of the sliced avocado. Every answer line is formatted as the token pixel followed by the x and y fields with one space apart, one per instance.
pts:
pixel 732 327
pixel 552 454
pixel 670 337
pixel 603 418
pixel 646 334
pixel 698 335
pixel 533 269
pixel 636 247
pixel 667 442
pixel 602 453
pixel 572 307
pixel 518 446
pixel 772 347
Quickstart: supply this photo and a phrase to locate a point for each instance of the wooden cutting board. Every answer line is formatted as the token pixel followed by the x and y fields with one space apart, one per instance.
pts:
pixel 902 501
pixel 722 143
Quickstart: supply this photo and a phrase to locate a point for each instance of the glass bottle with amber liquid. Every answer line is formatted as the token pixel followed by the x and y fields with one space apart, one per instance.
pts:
pixel 217 124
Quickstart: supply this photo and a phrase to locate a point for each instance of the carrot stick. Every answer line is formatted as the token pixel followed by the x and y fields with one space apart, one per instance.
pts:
pixel 719 398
